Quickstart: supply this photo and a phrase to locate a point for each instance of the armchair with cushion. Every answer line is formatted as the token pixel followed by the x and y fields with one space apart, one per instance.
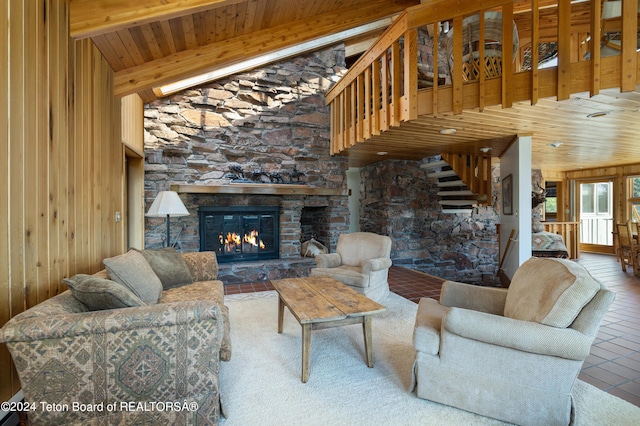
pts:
pixel 510 354
pixel 361 261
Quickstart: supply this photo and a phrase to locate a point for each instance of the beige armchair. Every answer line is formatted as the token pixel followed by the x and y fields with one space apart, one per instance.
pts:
pixel 510 354
pixel 361 261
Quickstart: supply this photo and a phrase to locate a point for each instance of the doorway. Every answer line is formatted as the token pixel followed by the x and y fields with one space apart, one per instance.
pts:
pixel 596 215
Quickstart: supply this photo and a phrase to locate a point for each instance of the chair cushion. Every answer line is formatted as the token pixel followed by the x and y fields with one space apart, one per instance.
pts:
pixel 134 272
pixel 169 266
pixel 358 247
pixel 99 294
pixel 549 291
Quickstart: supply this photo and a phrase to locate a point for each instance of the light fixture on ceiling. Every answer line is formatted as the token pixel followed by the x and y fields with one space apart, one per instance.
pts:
pixel 555 144
pixel 485 149
pixel 598 114
pixel 382 153
pixel 271 57
pixel 447 131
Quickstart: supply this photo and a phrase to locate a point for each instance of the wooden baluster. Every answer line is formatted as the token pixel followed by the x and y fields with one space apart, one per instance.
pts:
pixel 384 112
pixel 535 53
pixel 594 44
pixel 395 84
pixel 457 65
pixel 410 110
pixel 375 119
pixel 628 70
pixel 564 49
pixel 507 55
pixel 482 76
pixel 352 110
pixel 359 109
pixel 367 104
pixel 435 69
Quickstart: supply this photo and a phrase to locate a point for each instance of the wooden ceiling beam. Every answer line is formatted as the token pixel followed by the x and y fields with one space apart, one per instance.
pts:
pixel 89 18
pixel 192 62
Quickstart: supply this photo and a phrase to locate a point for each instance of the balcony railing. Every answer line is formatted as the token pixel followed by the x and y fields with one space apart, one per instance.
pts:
pixel 386 86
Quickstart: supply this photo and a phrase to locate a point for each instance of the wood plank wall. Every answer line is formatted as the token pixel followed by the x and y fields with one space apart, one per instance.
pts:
pixel 61 160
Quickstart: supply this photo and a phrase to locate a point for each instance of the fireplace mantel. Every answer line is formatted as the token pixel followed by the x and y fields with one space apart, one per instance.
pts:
pixel 257 188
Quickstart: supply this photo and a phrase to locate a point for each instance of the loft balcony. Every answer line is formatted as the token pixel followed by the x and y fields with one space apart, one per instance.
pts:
pixel 424 76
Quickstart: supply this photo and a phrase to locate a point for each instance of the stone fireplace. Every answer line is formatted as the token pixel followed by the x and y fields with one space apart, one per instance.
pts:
pixel 283 220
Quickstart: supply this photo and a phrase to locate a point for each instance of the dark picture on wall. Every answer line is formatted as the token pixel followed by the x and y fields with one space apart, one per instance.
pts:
pixel 507 195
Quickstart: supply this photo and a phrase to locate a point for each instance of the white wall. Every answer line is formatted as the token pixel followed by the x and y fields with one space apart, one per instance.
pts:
pixel 516 161
pixel 353 185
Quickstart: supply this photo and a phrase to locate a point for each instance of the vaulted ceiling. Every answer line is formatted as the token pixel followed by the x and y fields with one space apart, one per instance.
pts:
pixel 151 43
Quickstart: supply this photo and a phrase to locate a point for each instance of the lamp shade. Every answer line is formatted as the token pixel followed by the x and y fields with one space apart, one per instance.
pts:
pixel 167 203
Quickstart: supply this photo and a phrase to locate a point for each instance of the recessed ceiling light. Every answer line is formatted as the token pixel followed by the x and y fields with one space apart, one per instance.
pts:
pixel 485 149
pixel 555 144
pixel 598 114
pixel 382 153
pixel 447 131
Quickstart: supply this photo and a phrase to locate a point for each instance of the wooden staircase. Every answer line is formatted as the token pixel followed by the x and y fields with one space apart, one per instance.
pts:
pixel 464 181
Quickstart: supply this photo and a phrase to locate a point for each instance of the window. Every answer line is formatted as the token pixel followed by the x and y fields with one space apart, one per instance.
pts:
pixel 551 201
pixel 633 183
pixel 596 198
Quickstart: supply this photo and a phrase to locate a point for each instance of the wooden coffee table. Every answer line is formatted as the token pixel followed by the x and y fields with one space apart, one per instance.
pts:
pixel 322 302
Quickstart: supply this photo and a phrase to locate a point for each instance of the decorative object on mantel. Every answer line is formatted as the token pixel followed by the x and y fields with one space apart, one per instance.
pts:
pixel 312 248
pixel 237 175
pixel 167 203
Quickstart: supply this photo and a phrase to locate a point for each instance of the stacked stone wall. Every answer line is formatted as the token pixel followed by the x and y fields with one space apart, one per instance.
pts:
pixel 399 200
pixel 268 125
pixel 273 121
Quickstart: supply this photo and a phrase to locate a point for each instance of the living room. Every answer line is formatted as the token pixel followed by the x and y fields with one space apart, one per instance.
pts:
pixel 68 207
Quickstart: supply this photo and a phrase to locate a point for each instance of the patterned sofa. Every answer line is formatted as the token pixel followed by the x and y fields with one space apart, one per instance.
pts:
pixel 148 362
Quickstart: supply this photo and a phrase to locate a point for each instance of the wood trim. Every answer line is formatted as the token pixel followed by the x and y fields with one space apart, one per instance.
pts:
pixel 629 45
pixel 89 18
pixel 594 43
pixel 564 50
pixel 258 189
pixel 231 51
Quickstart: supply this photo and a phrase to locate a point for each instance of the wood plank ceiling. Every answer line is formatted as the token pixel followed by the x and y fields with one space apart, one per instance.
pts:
pixel 154 42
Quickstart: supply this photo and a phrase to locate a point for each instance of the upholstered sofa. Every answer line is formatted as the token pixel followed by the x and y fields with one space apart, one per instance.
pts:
pixel 361 261
pixel 511 354
pixel 149 355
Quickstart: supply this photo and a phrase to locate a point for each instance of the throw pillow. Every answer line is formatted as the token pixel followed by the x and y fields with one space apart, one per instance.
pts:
pixel 203 265
pixel 134 272
pixel 99 293
pixel 549 291
pixel 169 266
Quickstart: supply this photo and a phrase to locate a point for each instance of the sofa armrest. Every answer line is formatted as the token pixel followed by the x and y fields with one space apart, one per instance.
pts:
pixel 376 265
pixel 328 260
pixel 203 265
pixel 39 323
pixel 474 297
pixel 516 334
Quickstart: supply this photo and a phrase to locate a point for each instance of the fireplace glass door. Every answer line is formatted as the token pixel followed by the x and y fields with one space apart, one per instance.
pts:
pixel 240 233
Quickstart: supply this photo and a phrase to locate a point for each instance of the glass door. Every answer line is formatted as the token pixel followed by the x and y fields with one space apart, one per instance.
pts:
pixel 596 216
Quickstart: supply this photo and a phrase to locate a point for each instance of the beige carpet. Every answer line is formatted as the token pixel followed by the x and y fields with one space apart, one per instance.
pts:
pixel 261 384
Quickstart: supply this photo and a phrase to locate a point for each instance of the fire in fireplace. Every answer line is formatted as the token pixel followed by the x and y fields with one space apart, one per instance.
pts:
pixel 240 232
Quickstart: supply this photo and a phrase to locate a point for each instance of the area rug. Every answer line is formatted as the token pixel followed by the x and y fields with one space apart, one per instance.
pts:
pixel 261 384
